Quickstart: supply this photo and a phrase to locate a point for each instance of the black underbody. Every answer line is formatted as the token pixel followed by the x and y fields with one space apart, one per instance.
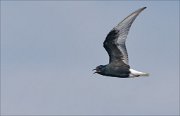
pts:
pixel 120 70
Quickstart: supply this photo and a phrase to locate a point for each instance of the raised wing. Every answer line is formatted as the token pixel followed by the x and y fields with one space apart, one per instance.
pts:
pixel 115 40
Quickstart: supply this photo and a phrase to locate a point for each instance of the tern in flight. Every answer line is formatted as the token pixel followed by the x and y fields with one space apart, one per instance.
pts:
pixel 115 46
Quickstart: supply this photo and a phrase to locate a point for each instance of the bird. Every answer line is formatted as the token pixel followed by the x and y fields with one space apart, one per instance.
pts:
pixel 115 46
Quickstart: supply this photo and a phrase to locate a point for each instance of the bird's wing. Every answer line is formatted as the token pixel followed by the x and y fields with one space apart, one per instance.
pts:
pixel 115 40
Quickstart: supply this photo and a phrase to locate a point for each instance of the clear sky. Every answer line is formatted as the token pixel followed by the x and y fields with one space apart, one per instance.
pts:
pixel 48 51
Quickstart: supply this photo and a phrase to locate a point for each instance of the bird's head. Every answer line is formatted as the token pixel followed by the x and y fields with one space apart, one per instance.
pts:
pixel 99 69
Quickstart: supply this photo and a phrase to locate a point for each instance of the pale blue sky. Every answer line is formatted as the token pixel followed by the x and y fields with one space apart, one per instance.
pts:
pixel 48 51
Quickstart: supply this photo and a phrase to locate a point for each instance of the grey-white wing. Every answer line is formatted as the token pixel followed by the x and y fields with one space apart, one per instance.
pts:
pixel 123 28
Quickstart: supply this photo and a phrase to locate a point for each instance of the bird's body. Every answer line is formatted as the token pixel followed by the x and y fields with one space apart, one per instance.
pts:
pixel 115 46
pixel 116 70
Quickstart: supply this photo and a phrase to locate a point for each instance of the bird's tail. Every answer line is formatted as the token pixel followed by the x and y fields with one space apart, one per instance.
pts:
pixel 135 73
pixel 145 74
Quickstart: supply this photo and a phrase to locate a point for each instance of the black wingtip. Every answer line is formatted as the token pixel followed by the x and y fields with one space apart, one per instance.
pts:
pixel 144 7
pixel 141 9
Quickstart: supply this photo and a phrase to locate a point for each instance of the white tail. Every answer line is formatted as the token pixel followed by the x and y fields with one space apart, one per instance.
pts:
pixel 135 73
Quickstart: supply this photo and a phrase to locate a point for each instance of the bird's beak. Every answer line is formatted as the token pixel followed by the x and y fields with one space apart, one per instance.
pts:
pixel 95 71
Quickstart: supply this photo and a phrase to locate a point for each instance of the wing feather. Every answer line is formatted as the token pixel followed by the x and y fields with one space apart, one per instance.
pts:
pixel 115 40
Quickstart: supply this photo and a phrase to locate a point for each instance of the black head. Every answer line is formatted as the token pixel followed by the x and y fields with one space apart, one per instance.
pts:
pixel 100 69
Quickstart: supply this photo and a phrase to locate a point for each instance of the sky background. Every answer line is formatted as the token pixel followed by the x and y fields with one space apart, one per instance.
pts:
pixel 49 48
